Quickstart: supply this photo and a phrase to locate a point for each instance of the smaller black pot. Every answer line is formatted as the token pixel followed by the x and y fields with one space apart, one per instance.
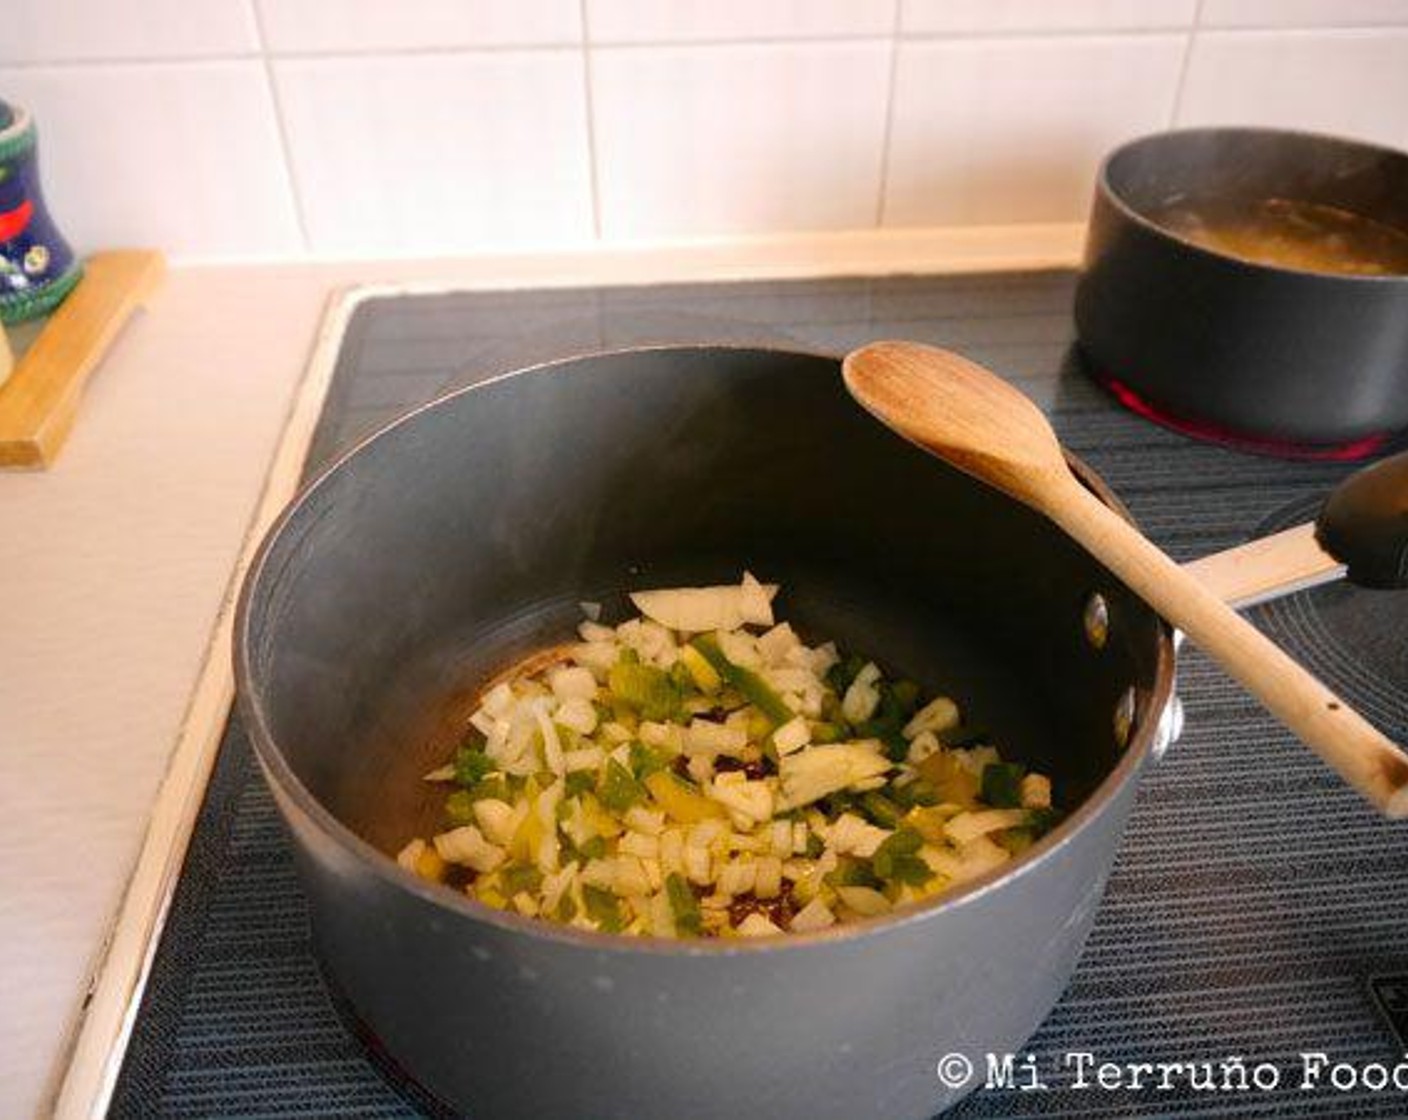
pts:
pixel 1285 359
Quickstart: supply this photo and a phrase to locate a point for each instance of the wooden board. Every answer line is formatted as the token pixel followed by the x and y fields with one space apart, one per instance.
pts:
pixel 40 400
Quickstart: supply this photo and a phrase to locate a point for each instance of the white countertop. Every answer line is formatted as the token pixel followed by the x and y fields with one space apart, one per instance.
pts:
pixel 116 564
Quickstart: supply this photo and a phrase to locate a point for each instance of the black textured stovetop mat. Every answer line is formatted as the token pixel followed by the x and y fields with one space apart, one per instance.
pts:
pixel 1254 898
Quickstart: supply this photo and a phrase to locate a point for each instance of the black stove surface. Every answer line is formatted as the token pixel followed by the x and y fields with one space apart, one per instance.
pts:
pixel 1257 909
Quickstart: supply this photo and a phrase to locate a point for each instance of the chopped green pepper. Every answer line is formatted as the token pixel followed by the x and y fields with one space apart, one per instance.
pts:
pixel 619 791
pixel 459 807
pixel 604 908
pixel 851 872
pixel 683 905
pixel 1002 784
pixel 518 877
pixel 471 765
pixel 840 675
pixel 753 688
pixel 648 690
pixel 963 737
pixel 681 678
pixel 566 909
pixel 880 809
pixel 578 782
pixel 646 760
pixel 897 858
pixel 918 792
pixel 595 848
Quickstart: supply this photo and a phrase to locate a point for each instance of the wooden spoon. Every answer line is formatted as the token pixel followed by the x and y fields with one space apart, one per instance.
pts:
pixel 973 419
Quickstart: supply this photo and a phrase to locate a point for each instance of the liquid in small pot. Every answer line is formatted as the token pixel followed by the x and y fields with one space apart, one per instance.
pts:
pixel 1285 233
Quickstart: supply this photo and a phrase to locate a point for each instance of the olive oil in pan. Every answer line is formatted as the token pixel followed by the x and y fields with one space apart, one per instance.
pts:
pixel 1284 233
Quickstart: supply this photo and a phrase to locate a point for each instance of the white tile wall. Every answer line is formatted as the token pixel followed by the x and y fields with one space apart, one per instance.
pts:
pixel 1350 82
pixel 1303 13
pixel 357 127
pixel 635 21
pixel 989 16
pixel 45 31
pixel 739 139
pixel 986 132
pixel 180 155
pixel 427 154
pixel 389 25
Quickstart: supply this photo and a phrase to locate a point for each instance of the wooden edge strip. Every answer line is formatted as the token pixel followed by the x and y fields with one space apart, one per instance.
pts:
pixel 105 1019
pixel 41 398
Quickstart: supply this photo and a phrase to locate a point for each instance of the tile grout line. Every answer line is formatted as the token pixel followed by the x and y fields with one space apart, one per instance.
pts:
pixel 594 174
pixel 705 43
pixel 1176 110
pixel 887 129
pixel 285 147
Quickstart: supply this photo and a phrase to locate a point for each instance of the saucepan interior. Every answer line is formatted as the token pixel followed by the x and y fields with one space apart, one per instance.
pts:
pixel 467 535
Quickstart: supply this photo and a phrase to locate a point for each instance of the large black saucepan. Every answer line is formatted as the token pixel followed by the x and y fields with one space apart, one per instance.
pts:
pixel 466 534
pixel 1280 358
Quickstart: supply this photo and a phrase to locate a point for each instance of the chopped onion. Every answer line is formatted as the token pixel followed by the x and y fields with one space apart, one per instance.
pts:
pixel 410 855
pixel 1035 791
pixel 864 900
pixel 812 773
pixel 755 601
pixel 814 915
pixel 937 715
pixel 969 826
pixel 572 683
pixel 467 846
pixel 757 925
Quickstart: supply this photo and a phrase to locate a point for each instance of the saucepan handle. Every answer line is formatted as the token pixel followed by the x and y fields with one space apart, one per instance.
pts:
pixel 1361 534
pixel 1364 524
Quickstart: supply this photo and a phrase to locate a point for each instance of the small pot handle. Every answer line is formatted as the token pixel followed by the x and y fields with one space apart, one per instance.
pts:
pixel 1364 524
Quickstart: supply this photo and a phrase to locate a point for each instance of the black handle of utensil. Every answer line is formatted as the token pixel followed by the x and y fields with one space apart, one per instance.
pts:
pixel 1364 524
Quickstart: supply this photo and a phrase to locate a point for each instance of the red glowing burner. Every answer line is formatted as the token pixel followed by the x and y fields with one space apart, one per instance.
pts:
pixel 1257 445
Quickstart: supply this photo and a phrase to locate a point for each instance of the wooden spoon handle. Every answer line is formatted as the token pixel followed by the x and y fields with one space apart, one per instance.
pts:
pixel 1366 759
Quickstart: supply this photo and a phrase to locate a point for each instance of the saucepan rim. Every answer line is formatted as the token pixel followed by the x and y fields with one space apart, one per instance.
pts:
pixel 250 700
pixel 1105 188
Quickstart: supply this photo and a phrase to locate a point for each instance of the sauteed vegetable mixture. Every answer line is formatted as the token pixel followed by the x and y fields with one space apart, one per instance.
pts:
pixel 700 771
